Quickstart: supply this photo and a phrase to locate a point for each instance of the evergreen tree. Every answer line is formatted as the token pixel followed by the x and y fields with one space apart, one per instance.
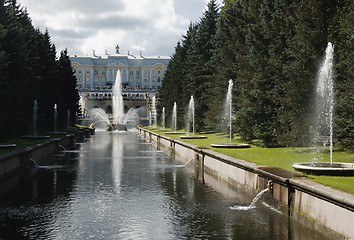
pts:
pixel 341 34
pixel 171 89
pixel 188 83
pixel 271 50
pixel 260 105
pixel 48 89
pixel 15 97
pixel 68 95
pixel 201 70
pixel 29 71
pixel 176 86
pixel 295 86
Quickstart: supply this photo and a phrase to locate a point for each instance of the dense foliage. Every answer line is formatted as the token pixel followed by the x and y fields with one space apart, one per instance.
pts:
pixel 29 71
pixel 271 49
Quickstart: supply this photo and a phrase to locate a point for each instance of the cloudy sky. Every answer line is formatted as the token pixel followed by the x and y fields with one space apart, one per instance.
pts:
pixel 151 26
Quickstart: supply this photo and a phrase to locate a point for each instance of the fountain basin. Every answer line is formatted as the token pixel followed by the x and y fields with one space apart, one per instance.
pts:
pixel 321 168
pixel 7 145
pixel 57 133
pixel 194 137
pixel 35 137
pixel 230 145
pixel 117 127
pixel 174 133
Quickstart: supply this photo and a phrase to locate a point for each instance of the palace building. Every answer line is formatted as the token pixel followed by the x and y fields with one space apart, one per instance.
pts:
pixel 141 78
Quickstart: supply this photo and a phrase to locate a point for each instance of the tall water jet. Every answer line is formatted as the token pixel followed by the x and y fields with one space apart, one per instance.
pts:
pixel 228 108
pixel 323 126
pixel 163 124
pixel 325 101
pixel 190 122
pixel 190 117
pixel 227 118
pixel 174 117
pixel 68 119
pixel 55 117
pixel 82 106
pixel 35 109
pixel 174 120
pixel 34 119
pixel 117 100
pixel 153 111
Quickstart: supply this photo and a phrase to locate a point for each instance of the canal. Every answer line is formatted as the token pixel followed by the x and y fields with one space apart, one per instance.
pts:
pixel 117 186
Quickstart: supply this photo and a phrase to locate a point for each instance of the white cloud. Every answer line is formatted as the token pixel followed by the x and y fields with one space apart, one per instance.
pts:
pixel 151 26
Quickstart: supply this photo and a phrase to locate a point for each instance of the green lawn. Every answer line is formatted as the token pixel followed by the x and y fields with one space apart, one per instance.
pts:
pixel 22 142
pixel 276 157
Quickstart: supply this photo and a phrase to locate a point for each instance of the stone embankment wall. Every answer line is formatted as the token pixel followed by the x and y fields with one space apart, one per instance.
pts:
pixel 13 164
pixel 319 207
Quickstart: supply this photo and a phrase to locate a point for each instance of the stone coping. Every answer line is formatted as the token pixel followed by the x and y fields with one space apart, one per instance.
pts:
pixel 280 176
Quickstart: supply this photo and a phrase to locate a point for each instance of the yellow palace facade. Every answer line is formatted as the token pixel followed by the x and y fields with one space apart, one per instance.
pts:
pixel 141 78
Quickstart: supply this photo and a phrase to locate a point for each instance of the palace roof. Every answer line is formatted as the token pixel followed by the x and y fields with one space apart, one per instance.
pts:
pixel 119 60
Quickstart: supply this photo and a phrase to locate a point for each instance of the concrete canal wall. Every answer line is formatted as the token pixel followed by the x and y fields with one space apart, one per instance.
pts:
pixel 14 163
pixel 322 208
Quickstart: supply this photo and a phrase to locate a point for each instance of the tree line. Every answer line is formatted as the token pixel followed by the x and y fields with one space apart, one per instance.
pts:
pixel 271 49
pixel 31 70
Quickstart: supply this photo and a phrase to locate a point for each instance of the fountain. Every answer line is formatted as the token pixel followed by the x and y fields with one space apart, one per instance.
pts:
pixel 47 167
pixel 190 123
pixel 34 119
pixel 117 106
pixel 55 117
pixel 35 109
pixel 253 203
pixel 228 119
pixel 153 111
pixel 68 119
pixel 56 121
pixel 324 123
pixel 174 117
pixel 119 120
pixel 82 105
pixel 174 120
pixel 163 125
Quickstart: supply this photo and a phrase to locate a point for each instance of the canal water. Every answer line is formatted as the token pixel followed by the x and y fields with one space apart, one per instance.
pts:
pixel 119 187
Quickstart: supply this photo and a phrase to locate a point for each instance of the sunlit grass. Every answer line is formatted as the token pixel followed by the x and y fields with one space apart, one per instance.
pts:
pixel 282 158
pixel 25 142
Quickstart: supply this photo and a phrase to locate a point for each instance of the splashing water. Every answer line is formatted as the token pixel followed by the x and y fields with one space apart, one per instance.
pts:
pixel 117 100
pixel 55 117
pixel 163 118
pixel 253 203
pixel 325 102
pixel 227 117
pixel 35 109
pixel 153 111
pixel 190 117
pixel 174 117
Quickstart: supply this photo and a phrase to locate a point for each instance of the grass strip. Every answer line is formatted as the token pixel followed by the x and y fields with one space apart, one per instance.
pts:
pixel 282 157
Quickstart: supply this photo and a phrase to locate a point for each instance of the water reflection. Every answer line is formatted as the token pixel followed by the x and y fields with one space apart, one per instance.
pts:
pixel 124 189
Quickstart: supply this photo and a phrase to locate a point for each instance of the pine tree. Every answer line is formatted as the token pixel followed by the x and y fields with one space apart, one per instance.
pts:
pixel 15 94
pixel 201 70
pixel 48 89
pixel 341 34
pixel 171 90
pixel 28 72
pixel 68 95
